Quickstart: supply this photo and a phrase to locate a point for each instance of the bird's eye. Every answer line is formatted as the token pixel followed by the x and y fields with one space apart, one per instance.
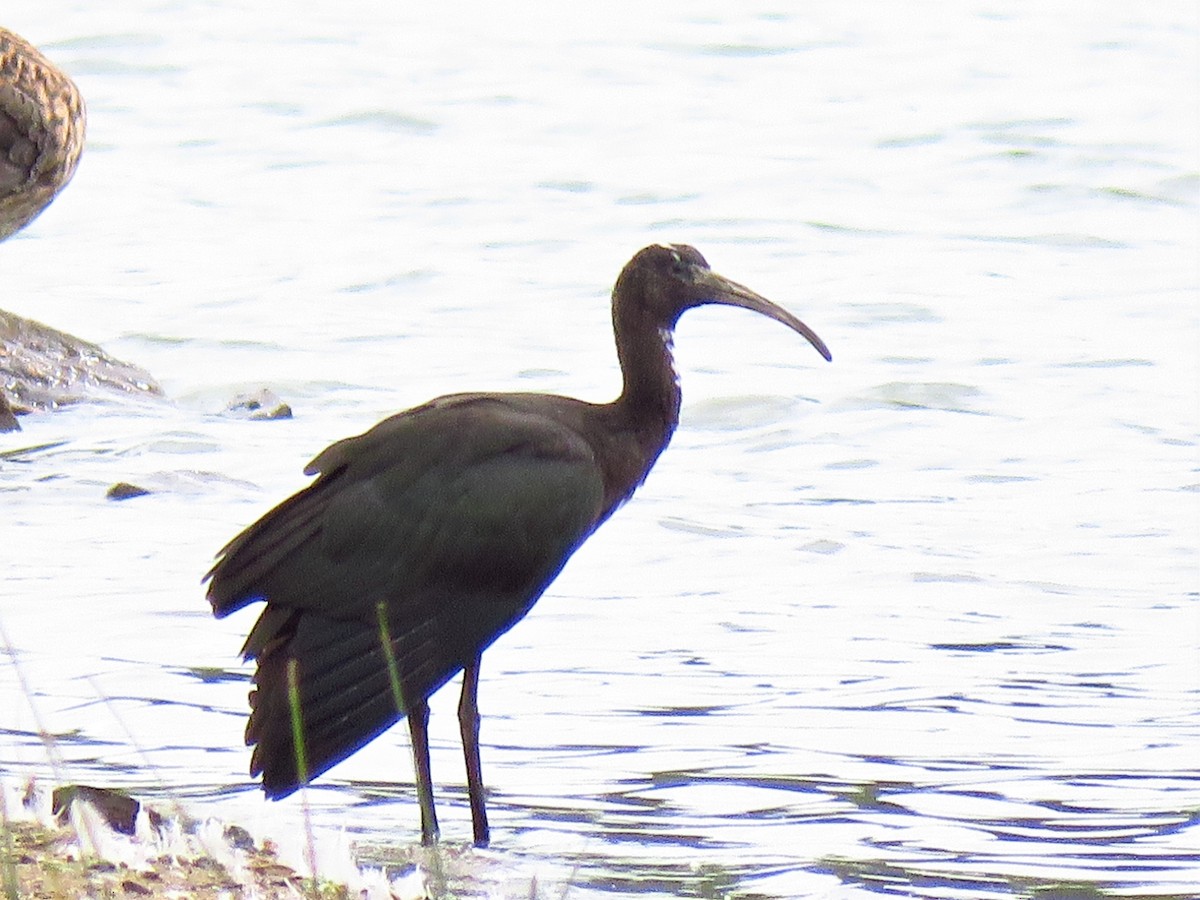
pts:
pixel 677 264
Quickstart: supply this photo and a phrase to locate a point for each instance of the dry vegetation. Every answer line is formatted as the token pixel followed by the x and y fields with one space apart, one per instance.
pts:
pixel 94 843
pixel 43 863
pixel 86 842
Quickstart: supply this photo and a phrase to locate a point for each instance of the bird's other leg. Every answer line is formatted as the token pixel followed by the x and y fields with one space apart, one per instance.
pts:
pixel 468 722
pixel 418 727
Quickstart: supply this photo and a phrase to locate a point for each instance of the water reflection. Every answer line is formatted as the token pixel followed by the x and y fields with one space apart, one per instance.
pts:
pixel 998 850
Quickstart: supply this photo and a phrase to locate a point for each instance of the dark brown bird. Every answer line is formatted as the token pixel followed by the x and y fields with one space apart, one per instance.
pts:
pixel 429 536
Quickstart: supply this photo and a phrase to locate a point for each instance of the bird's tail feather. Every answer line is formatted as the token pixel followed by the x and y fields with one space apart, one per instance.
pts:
pixel 347 695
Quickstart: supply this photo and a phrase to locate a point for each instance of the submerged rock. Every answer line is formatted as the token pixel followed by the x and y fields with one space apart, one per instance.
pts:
pixel 262 404
pixel 42 368
pixel 123 490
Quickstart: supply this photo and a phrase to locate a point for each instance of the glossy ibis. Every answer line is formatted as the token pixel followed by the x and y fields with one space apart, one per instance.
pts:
pixel 429 536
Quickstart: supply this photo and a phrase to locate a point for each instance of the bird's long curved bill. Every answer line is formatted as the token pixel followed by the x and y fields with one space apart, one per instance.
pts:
pixel 730 293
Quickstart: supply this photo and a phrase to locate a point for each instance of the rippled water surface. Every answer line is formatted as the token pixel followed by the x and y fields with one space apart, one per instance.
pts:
pixel 922 622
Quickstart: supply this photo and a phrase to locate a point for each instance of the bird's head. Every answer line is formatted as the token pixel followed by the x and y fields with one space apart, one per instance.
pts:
pixel 666 279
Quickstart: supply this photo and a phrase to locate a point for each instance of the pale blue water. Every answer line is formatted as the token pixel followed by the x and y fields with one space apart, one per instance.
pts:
pixel 923 622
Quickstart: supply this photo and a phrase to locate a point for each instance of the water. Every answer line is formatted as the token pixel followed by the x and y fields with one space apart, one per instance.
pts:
pixel 922 622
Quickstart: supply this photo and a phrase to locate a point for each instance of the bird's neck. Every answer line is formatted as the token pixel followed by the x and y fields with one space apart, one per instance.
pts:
pixel 650 398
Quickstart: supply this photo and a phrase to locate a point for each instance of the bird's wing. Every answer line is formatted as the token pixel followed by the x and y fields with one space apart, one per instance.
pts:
pixel 464 496
pixel 450 519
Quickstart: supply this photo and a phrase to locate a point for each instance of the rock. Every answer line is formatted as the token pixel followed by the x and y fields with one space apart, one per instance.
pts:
pixel 123 490
pixel 262 405
pixel 42 368
pixel 8 421
pixel 118 808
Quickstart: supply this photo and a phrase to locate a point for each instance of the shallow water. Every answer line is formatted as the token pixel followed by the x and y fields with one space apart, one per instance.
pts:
pixel 923 622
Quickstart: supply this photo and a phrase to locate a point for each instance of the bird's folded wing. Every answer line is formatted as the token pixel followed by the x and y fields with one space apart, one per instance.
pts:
pixel 472 498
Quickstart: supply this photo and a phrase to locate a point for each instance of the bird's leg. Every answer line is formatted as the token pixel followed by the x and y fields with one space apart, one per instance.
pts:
pixel 418 727
pixel 468 723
